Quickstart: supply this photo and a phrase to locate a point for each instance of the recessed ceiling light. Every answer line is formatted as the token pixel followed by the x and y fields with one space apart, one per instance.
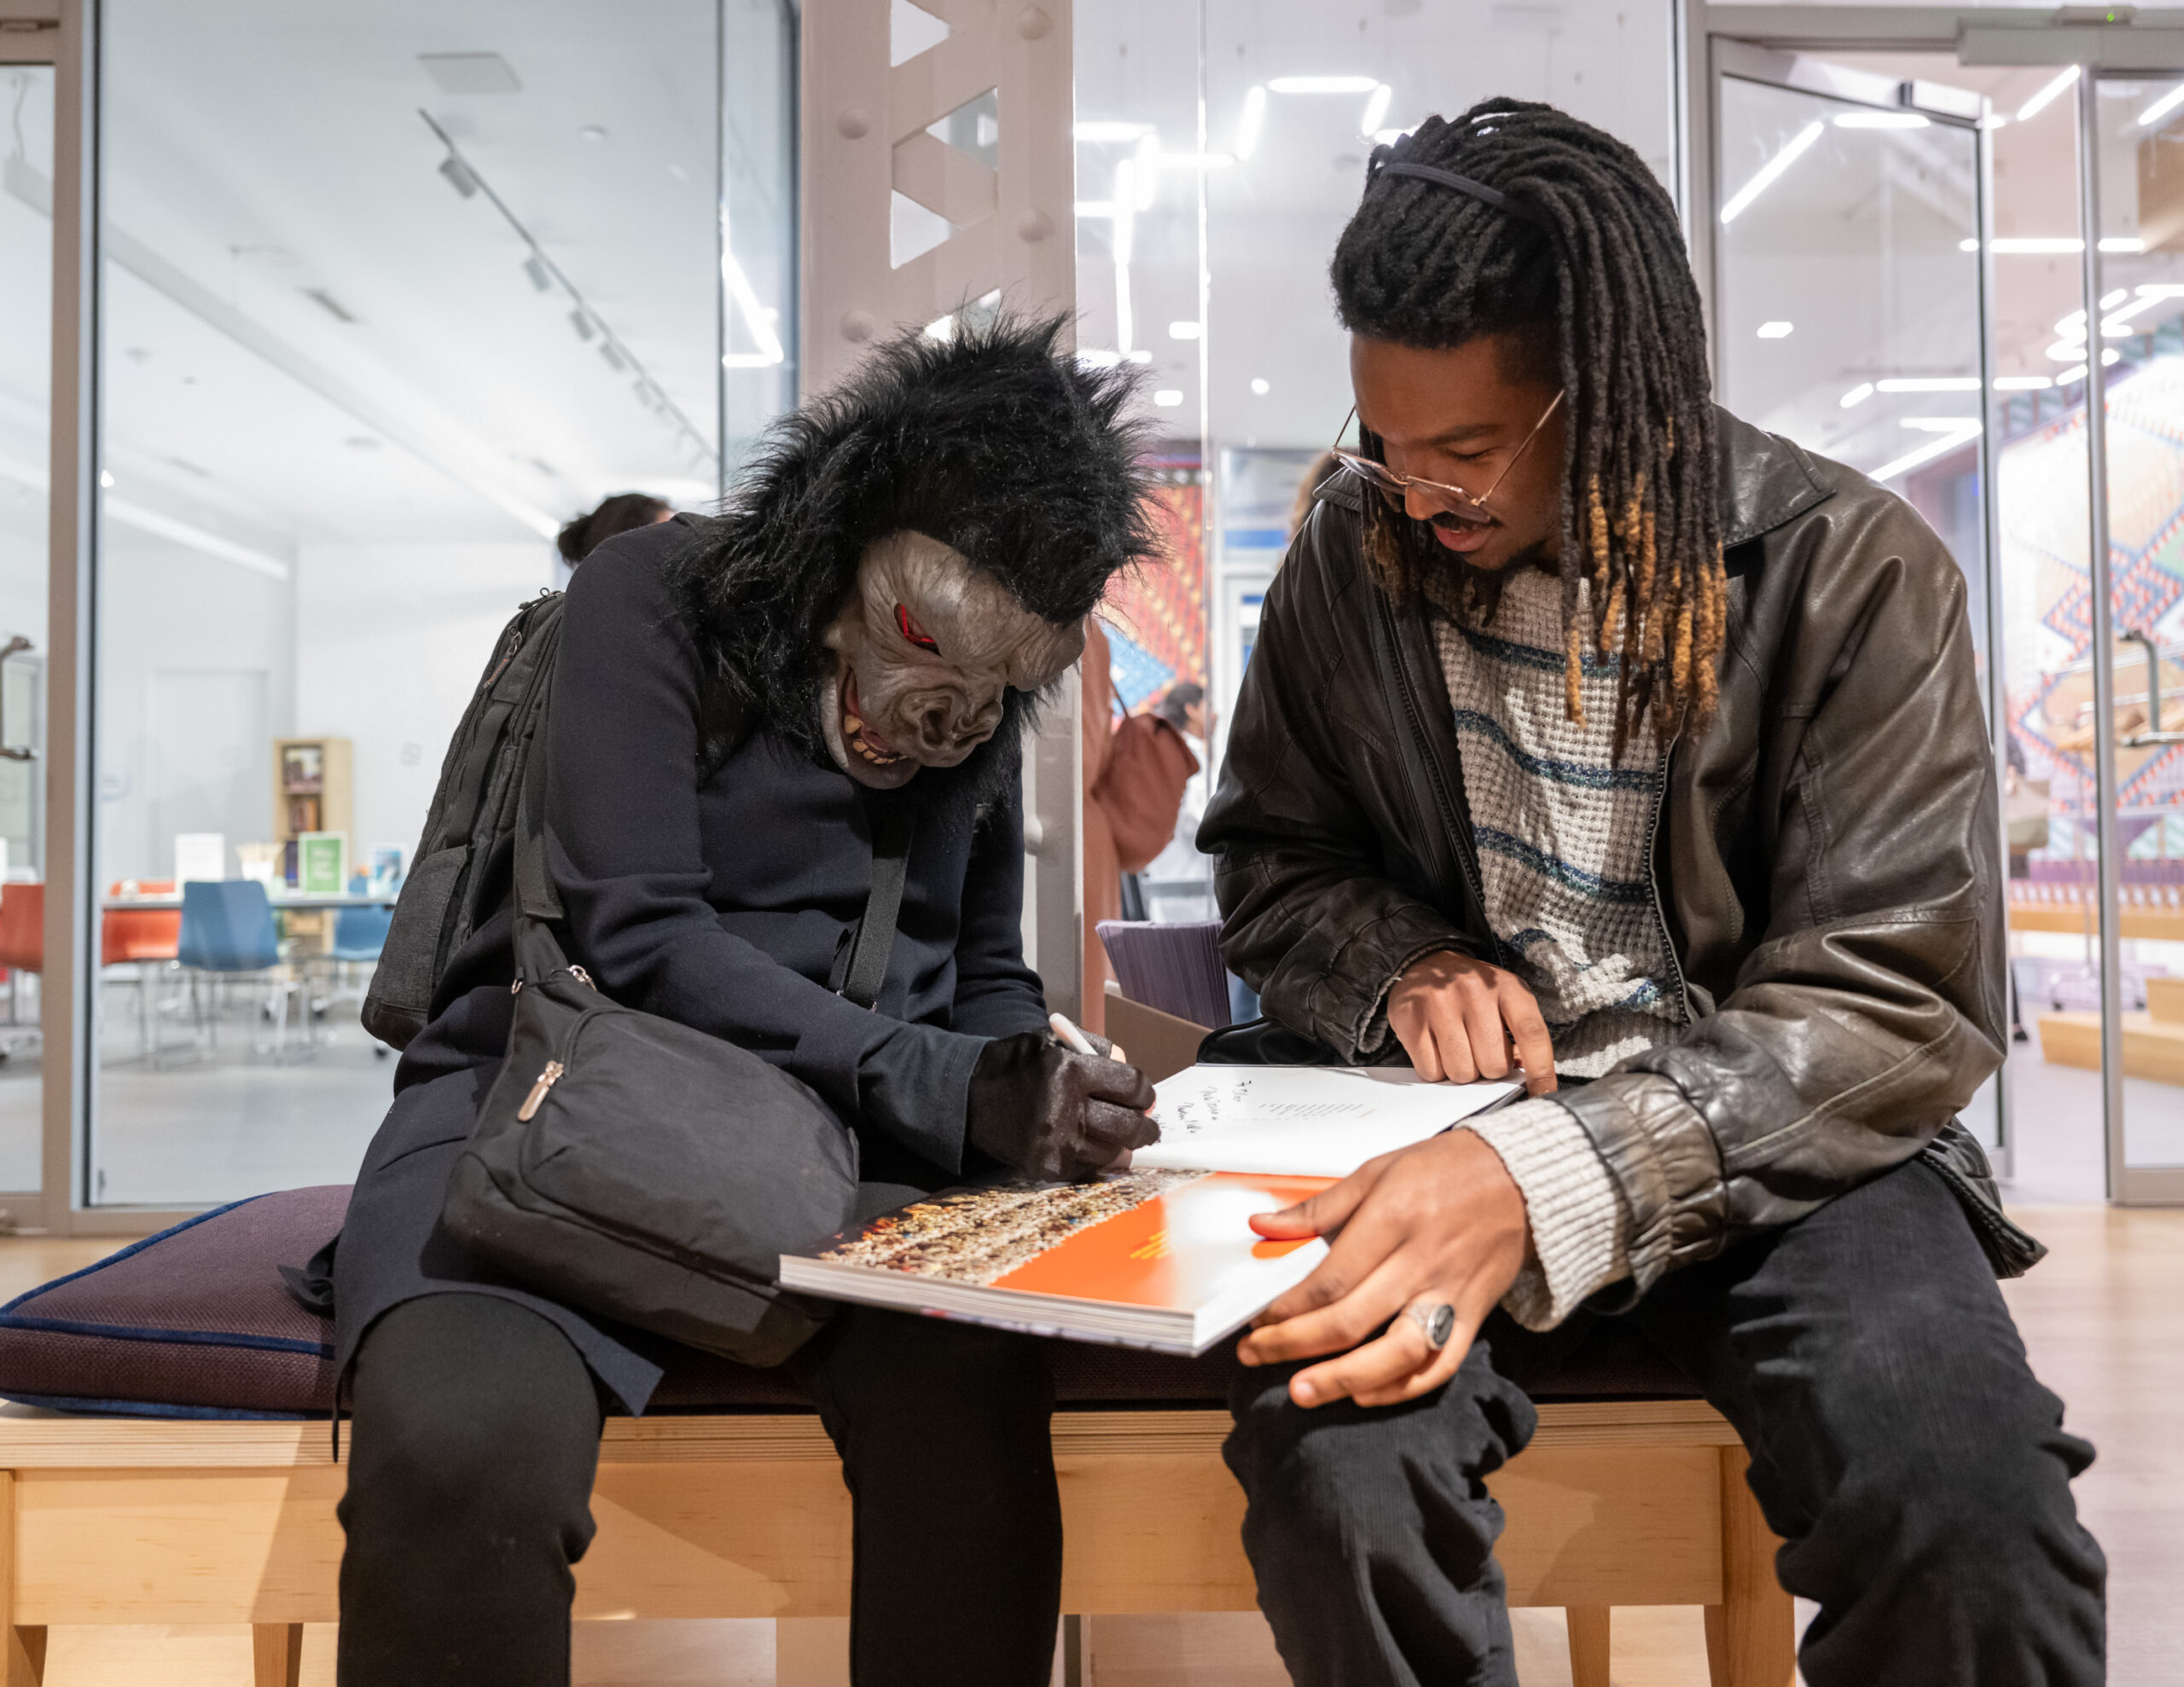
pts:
pixel 1261 388
pixel 1184 330
pixel 1776 330
pixel 1929 383
pixel 1880 120
pixel 1168 397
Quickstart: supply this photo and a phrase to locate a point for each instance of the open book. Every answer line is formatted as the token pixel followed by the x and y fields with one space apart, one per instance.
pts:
pixel 1162 1255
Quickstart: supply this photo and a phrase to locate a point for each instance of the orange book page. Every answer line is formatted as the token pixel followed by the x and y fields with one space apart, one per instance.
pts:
pixel 1175 1251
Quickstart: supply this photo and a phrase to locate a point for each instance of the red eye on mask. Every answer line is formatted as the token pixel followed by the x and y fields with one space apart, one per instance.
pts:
pixel 915 633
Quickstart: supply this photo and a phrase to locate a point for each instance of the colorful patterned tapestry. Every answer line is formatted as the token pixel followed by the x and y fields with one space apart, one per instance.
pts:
pixel 2048 605
pixel 1156 618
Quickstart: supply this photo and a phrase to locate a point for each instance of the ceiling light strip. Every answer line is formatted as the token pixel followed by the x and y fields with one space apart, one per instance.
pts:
pixel 1770 171
pixel 612 347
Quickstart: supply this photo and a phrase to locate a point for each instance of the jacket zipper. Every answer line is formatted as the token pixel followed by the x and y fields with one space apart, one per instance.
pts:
pixel 547 1078
pixel 1654 877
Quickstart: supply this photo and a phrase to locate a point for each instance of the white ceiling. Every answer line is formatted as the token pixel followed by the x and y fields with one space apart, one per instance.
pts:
pixel 1271 221
pixel 259 152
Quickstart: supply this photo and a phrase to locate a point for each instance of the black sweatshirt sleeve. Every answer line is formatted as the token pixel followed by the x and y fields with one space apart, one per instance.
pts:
pixel 996 995
pixel 624 840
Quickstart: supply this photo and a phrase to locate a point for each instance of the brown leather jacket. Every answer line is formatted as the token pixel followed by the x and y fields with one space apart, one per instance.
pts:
pixel 1826 858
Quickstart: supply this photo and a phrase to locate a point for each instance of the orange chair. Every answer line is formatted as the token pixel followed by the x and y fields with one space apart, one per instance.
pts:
pixel 22 940
pixel 127 934
pixel 145 938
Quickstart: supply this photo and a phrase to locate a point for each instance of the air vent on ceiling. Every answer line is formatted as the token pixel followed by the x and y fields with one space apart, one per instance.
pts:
pixel 470 73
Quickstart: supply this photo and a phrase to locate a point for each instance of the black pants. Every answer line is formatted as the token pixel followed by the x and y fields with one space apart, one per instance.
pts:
pixel 476 1436
pixel 1899 1446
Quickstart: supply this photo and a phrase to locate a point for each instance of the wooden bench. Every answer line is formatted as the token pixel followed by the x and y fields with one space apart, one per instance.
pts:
pixel 111 1520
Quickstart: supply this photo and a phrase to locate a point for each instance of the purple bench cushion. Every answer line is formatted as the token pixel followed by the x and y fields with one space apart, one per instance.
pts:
pixel 196 1322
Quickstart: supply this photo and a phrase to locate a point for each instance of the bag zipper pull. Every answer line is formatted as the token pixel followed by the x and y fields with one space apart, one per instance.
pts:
pixel 582 976
pixel 537 1098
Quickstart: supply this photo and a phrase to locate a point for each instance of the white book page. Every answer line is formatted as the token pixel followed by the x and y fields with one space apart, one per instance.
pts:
pixel 1305 1121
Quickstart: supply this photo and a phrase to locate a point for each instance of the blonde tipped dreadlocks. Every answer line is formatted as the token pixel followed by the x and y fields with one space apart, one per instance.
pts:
pixel 1594 268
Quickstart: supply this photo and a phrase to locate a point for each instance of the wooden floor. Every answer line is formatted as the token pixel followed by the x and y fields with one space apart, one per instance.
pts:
pixel 2103 1317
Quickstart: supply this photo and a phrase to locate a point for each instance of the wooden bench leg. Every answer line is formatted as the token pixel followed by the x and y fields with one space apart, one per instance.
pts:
pixel 276 1653
pixel 1752 1635
pixel 24 1663
pixel 1589 1632
pixel 25 1657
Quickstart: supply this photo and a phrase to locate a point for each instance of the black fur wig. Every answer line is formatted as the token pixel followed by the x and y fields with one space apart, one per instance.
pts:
pixel 995 442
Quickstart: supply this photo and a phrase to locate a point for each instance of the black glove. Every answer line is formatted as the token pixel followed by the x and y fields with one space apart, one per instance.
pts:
pixel 1053 1114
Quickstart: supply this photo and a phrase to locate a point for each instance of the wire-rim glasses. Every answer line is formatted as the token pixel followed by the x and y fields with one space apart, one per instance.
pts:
pixel 1451 505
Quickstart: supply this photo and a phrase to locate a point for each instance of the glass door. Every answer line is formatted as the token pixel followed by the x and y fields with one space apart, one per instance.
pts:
pixel 1849 297
pixel 26 168
pixel 2132 161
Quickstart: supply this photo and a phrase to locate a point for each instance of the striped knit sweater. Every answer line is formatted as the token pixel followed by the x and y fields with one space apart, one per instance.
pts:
pixel 1564 834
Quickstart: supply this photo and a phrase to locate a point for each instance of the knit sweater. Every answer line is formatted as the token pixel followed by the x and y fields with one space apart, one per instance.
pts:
pixel 1565 831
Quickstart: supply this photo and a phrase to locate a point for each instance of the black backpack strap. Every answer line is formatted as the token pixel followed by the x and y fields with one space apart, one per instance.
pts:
pixel 536 898
pixel 892 830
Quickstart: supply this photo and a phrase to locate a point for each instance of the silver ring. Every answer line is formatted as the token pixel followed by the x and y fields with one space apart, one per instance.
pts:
pixel 1435 1323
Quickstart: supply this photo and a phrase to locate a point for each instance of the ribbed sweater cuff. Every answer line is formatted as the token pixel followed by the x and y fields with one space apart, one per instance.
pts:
pixel 1581 1234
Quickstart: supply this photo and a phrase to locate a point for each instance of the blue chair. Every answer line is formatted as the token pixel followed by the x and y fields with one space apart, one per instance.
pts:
pixel 228 932
pixel 359 935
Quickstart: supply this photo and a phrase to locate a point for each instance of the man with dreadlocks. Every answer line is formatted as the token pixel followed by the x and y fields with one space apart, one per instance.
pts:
pixel 1594 734
pixel 741 707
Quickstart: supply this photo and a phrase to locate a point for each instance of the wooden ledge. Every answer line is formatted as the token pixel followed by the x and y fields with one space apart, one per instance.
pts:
pixel 33 1439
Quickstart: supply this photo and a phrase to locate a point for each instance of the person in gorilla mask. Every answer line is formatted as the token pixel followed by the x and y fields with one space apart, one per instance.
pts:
pixel 742 706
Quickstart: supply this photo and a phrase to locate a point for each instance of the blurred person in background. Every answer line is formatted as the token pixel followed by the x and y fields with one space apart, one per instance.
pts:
pixel 621 513
pixel 1135 771
pixel 1178 881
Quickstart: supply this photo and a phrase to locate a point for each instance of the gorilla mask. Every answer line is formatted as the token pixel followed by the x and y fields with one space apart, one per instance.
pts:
pixel 908 560
pixel 925 651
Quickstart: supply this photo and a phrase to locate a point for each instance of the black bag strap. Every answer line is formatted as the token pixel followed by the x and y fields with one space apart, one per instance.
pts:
pixel 538 900
pixel 892 830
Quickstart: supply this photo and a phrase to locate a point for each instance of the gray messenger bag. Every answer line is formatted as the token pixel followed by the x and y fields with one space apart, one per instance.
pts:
pixel 646 1171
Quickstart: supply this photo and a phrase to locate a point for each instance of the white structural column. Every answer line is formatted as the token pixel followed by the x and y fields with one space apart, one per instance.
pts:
pixel 865 138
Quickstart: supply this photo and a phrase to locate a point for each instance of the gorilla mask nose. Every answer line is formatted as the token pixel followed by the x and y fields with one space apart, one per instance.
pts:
pixel 950 727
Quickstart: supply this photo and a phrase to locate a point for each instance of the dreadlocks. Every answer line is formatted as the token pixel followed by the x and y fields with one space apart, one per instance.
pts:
pixel 1585 269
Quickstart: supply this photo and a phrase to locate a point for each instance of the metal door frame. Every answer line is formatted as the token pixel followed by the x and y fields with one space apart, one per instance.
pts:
pixel 1707 41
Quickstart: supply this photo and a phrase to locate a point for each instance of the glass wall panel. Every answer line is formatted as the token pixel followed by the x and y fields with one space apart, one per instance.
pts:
pixel 1221 147
pixel 2142 334
pixel 757 218
pixel 391 293
pixel 25 384
pixel 1847 307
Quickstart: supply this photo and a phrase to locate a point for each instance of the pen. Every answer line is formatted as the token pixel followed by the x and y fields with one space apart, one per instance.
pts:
pixel 1069 1036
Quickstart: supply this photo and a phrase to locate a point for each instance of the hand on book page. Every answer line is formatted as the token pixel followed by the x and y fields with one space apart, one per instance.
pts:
pixel 1049 1112
pixel 1463 1020
pixel 1440 1225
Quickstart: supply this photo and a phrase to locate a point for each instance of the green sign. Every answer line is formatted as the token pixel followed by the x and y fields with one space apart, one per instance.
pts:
pixel 323 863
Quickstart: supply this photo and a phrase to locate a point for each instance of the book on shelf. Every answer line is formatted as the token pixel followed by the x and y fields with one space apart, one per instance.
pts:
pixel 1162 1255
pixel 303 769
